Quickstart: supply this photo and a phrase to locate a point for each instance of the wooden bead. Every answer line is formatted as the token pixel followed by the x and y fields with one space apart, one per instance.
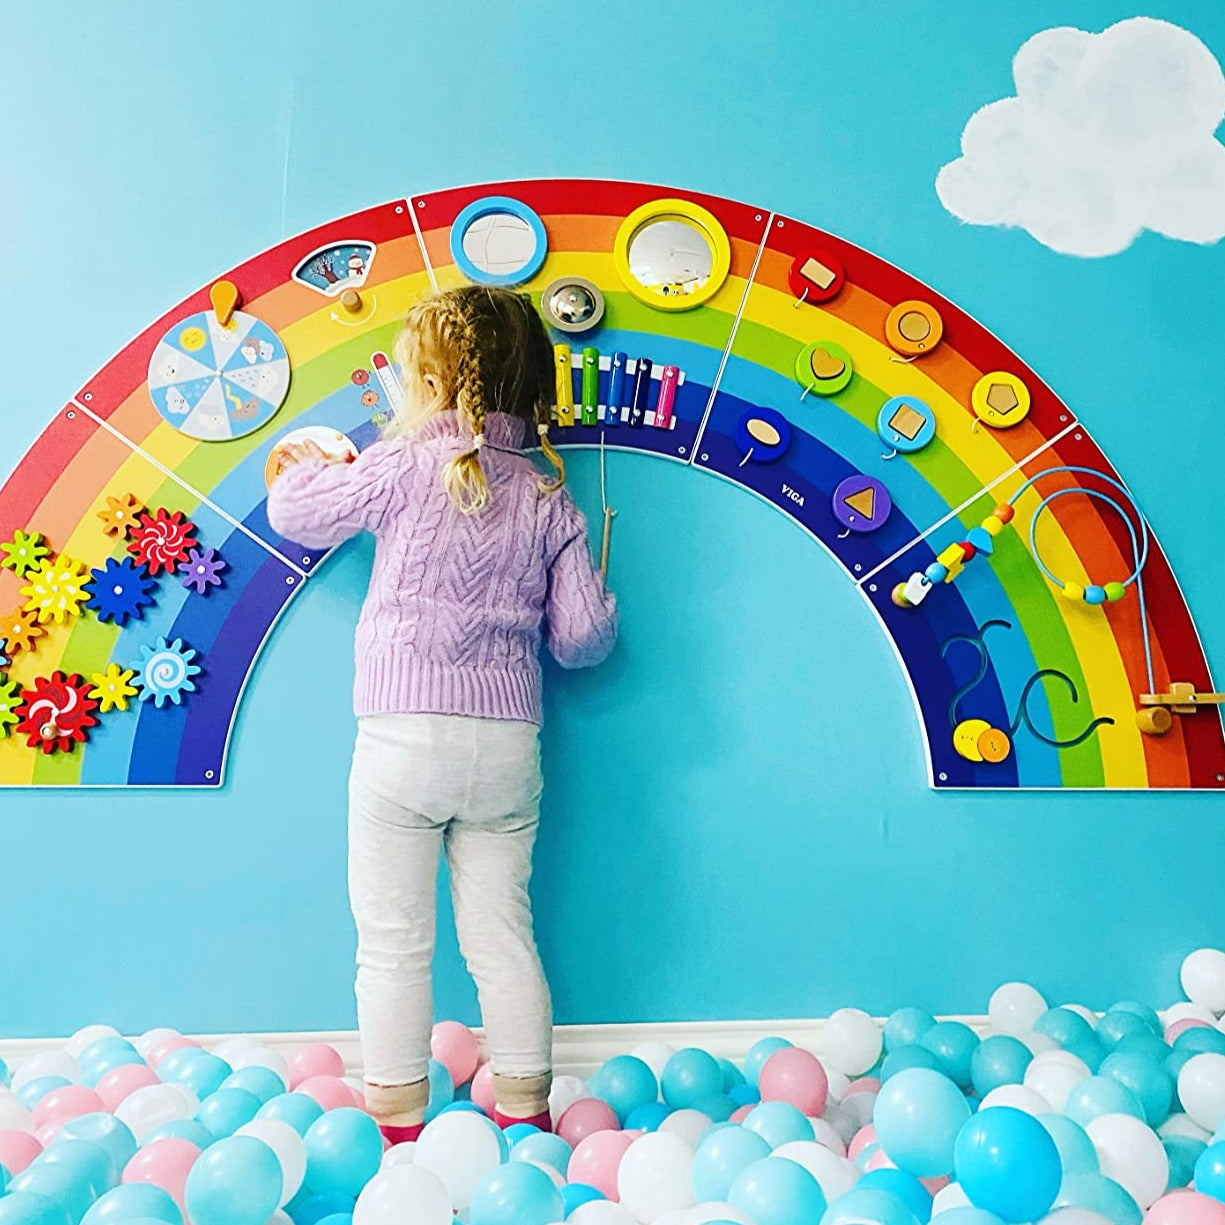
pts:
pixel 1004 512
pixel 1073 591
pixel 992 525
pixel 1095 595
pixel 936 572
pixel 1154 720
pixel 968 550
pixel 898 596
pixel 1115 592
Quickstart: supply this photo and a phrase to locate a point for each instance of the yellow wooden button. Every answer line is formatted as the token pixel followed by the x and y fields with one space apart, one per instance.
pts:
pixel 1000 400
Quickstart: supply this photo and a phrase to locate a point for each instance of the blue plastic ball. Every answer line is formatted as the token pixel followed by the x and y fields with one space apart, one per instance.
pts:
pixel 778 1123
pixel 909 1055
pixel 1064 1026
pixel 85 1160
pixel 442 1090
pixel 104 1130
pixel 967 1214
pixel 235 1182
pixel 338 1218
pixel 1115 1026
pixel 308 1209
pixel 262 1083
pixel 1201 1040
pixel 138 1201
pixel 29 1208
pixel 515 1194
pixel 688 1076
pixel 732 1075
pixel 1146 1079
pixel 856 1206
pixel 191 1130
pixel 543 1148
pixel 998 1060
pixel 718 1108
pixel 648 1117
pixel 299 1110
pixel 720 1158
pixel 953 1043
pixel 1098 1095
pixel 466 1105
pixel 1148 1045
pixel 1210 1171
pixel 517 1131
pixel 6 1077
pixel 1102 1195
pixel 905 1186
pixel 33 1091
pixel 625 1082
pixel 1173 1064
pixel 777 1192
pixel 918 1116
pixel 93 1071
pixel 575 1194
pixel 1182 1152
pixel 65 1186
pixel 344 1149
pixel 905 1027
pixel 759 1052
pixel 226 1110
pixel 1076 1152
pixel 1147 1014
pixel 743 1095
pixel 199 1071
pixel 1007 1163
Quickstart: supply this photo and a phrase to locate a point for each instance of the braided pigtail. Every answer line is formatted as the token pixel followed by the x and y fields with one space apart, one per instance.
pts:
pixel 463 477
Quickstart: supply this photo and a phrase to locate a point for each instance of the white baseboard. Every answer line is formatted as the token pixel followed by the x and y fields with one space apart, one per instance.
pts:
pixel 577 1049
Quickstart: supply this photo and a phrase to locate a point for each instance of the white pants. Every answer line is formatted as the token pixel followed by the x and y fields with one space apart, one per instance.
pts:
pixel 421 782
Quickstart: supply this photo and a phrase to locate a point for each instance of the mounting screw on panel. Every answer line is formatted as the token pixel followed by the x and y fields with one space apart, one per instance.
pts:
pixel 210 774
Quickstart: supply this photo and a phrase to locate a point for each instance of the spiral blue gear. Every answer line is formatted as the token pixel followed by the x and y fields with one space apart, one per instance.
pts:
pixel 120 590
pixel 164 672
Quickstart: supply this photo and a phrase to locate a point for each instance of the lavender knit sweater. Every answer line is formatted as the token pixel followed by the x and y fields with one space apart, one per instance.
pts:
pixel 452 622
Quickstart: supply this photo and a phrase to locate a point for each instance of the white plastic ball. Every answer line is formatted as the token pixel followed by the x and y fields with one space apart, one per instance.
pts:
pixel 152 1106
pixel 1132 1154
pixel 1203 979
pixel 565 1092
pixel 13 1115
pixel 399 1154
pixel 597 1212
pixel 89 1033
pixel 403 1193
pixel 1015 1007
pixel 460 1147
pixel 556 1177
pixel 690 1125
pixel 1053 1075
pixel 826 1135
pixel 1080 1010
pixel 851 1041
pixel 835 1173
pixel 1073 1215
pixel 949 1196
pixel 1019 1098
pixel 230 1048
pixel 1201 1089
pixel 842 1121
pixel 46 1063
pixel 262 1057
pixel 154 1037
pixel 289 1148
pixel 655 1175
pixel 655 1055
pixel 1184 1011
pixel 1182 1125
pixel 707 1214
pixel 858 1107
pixel 838 1082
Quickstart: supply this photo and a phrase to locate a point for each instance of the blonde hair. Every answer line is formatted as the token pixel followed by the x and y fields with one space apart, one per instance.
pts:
pixel 478 350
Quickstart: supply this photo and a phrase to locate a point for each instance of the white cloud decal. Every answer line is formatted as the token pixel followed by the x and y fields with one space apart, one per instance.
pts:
pixel 1109 134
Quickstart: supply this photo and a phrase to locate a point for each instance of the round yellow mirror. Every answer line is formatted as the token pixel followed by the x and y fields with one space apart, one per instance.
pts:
pixel 672 254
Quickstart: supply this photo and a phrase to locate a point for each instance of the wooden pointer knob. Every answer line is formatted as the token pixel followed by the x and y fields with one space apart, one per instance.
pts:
pixel 351 300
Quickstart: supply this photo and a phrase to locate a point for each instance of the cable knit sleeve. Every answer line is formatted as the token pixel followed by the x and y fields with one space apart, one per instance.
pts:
pixel 321 505
pixel 580 615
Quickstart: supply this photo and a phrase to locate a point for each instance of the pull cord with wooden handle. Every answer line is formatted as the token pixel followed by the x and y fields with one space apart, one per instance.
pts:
pixel 608 513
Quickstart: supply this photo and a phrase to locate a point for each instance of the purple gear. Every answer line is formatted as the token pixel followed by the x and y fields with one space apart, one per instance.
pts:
pixel 202 570
pixel 120 590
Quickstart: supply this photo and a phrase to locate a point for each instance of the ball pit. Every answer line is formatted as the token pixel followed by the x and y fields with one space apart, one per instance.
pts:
pixel 1050 1116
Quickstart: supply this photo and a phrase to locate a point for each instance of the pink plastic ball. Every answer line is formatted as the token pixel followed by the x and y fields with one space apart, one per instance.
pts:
pixel 64 1103
pixel 17 1150
pixel 313 1059
pixel 597 1159
pixel 584 1118
pixel 482 1089
pixel 865 1084
pixel 123 1080
pixel 740 1114
pixel 329 1091
pixel 454 1046
pixel 862 1138
pixel 165 1164
pixel 46 1134
pixel 936 1185
pixel 1185 1207
pixel 634 1133
pixel 793 1075
pixel 163 1048
pixel 1181 1027
pixel 880 1161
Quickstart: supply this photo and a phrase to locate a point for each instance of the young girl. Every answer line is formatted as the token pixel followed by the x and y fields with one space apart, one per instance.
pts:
pixel 477 555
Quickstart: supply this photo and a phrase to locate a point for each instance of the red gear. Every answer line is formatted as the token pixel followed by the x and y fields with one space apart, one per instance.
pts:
pixel 163 542
pixel 57 713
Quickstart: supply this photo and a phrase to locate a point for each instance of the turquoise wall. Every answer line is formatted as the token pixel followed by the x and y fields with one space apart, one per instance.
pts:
pixel 737 822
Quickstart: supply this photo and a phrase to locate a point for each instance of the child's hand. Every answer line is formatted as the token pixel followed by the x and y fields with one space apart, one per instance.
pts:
pixel 297 452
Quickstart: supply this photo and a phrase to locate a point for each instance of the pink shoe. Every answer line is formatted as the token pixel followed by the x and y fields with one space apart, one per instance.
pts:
pixel 541 1121
pixel 402 1135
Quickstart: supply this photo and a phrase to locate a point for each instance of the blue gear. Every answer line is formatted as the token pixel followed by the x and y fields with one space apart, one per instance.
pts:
pixel 120 590
pixel 164 672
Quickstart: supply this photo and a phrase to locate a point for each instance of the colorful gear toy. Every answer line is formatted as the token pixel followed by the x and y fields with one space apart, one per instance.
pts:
pixel 121 514
pixel 203 570
pixel 56 590
pixel 120 591
pixel 18 630
pixel 164 672
pixel 10 699
pixel 57 713
pixel 5 661
pixel 113 688
pixel 25 552
pixel 162 540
